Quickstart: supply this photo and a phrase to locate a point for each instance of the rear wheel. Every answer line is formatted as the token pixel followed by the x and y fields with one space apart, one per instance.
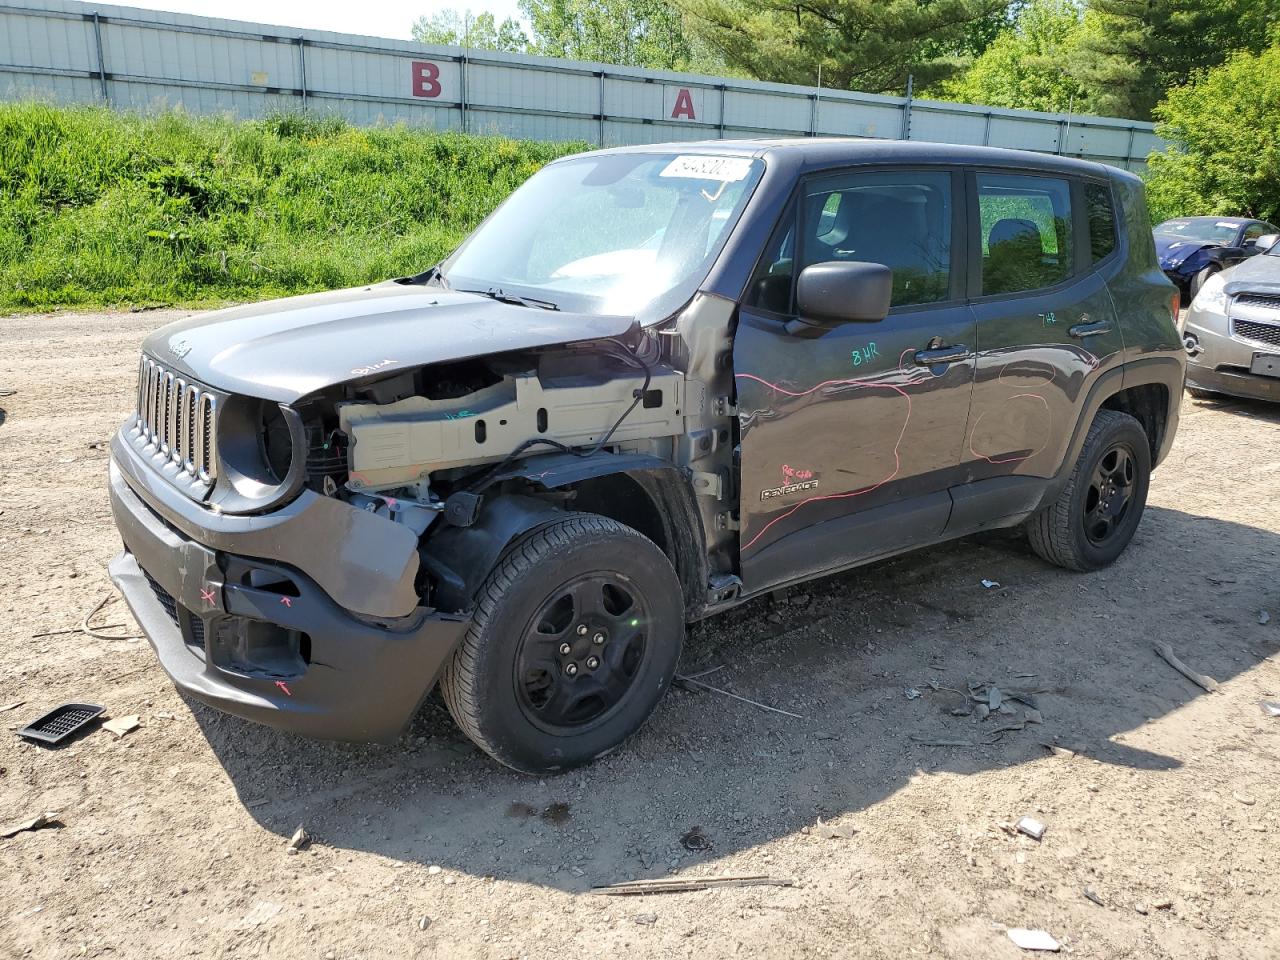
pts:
pixel 1096 514
pixel 1200 394
pixel 575 639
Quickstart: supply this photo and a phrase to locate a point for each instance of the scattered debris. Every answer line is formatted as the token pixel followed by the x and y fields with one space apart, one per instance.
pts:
pixel 1163 905
pixel 61 722
pixel 1058 751
pixel 926 742
pixel 424 922
pixel 911 693
pixel 686 885
pixel 7 391
pixel 1091 894
pixel 695 840
pixel 998 733
pixel 646 919
pixel 827 832
pixel 1244 798
pixel 120 726
pixel 1033 716
pixel 755 703
pixel 433 870
pixel 990 584
pixel 1166 653
pixel 1263 617
pixel 262 912
pixel 299 841
pixel 1141 908
pixel 11 706
pixel 38 822
pixel 1033 939
pixel 982 711
pixel 994 698
pixel 1032 827
pixel 96 632
pixel 1270 707
pixel 1221 580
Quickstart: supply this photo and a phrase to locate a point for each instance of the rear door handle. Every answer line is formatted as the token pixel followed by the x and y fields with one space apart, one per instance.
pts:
pixel 1087 329
pixel 938 355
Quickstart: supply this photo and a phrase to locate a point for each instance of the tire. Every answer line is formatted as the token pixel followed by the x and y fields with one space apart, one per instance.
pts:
pixel 589 584
pixel 1198 281
pixel 1070 531
pixel 1200 394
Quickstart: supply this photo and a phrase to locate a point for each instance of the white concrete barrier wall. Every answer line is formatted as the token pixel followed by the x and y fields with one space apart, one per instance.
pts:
pixel 68 51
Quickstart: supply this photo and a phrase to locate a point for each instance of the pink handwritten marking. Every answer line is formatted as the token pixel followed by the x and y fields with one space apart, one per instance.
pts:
pixel 207 596
pixel 791 473
pixel 1015 459
pixel 285 687
pixel 897 458
pixel 287 601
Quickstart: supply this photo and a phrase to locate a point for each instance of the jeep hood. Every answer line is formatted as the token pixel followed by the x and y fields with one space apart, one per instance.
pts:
pixel 283 350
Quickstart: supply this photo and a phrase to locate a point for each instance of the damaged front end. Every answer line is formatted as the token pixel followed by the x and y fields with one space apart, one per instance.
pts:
pixel 312 564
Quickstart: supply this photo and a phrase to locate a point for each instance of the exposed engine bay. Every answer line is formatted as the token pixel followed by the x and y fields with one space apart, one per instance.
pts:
pixel 424 447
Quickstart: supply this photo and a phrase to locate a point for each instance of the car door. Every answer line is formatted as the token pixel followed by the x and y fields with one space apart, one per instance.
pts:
pixel 1045 330
pixel 851 433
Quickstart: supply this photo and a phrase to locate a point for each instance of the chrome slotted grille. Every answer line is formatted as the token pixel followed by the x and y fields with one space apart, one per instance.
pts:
pixel 178 418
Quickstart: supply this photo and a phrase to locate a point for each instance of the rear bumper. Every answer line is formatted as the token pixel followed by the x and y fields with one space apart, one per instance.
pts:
pixel 264 642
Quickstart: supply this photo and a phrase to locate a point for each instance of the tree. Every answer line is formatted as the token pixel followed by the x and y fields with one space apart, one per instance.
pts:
pixel 1225 127
pixel 644 33
pixel 1028 66
pixel 451 28
pixel 870 45
pixel 1146 47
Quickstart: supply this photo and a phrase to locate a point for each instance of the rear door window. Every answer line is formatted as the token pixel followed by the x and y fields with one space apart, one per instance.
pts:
pixel 1025 232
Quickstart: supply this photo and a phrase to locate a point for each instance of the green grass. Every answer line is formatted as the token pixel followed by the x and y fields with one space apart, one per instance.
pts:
pixel 99 208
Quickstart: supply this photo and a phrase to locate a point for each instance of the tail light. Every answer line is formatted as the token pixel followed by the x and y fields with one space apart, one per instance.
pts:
pixel 1175 309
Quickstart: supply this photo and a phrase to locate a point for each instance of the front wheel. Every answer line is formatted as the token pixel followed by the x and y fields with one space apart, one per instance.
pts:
pixel 1096 514
pixel 575 638
pixel 1198 281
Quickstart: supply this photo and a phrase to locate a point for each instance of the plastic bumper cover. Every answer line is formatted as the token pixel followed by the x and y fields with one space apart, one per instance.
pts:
pixel 265 643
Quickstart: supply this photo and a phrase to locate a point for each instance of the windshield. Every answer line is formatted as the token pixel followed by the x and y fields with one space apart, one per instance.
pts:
pixel 1201 231
pixel 626 233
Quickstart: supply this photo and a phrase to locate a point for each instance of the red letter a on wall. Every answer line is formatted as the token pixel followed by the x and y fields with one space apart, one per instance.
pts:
pixel 683 107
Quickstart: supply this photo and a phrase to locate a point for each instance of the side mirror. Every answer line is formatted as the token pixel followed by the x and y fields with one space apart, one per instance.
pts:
pixel 841 291
pixel 1266 242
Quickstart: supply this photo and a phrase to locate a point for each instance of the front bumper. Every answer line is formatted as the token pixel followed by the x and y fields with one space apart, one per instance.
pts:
pixel 264 642
pixel 1222 361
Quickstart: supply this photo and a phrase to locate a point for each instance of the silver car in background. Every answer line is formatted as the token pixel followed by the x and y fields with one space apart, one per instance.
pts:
pixel 1232 330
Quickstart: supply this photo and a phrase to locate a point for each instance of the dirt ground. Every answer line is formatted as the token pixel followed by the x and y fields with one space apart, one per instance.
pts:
pixel 173 839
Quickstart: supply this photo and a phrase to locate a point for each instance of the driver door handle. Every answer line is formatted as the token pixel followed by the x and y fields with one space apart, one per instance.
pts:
pixel 935 355
pixel 1087 329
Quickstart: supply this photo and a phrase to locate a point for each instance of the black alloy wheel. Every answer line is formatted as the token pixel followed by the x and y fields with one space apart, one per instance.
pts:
pixel 575 638
pixel 1110 494
pixel 581 653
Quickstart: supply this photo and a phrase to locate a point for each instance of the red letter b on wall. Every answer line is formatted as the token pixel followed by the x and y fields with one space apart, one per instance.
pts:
pixel 426 79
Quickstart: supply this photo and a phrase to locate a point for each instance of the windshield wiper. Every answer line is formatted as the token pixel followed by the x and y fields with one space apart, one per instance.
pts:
pixel 496 293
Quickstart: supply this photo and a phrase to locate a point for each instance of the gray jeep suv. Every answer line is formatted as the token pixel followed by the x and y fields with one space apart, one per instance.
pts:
pixel 656 382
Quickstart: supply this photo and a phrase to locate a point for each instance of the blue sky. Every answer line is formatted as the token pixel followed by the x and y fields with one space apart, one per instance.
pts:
pixel 375 18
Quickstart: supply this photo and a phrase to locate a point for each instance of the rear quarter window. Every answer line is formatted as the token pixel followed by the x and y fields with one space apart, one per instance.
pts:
pixel 1102 220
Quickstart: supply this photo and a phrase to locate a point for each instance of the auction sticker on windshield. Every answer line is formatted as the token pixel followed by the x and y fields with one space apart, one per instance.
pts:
pixel 720 169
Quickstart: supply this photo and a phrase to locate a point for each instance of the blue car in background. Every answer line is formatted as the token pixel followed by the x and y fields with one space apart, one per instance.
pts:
pixel 1192 249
